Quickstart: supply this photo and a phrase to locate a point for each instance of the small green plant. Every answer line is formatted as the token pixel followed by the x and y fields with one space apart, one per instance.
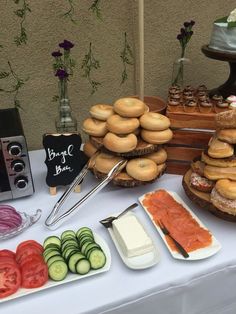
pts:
pixel 127 58
pixel 89 64
pixel 21 13
pixel 70 12
pixel 17 84
pixel 95 8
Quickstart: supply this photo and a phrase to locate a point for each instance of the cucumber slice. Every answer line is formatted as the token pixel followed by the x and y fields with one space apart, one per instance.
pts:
pixel 73 259
pixel 83 247
pixel 68 243
pixel 54 258
pixel 97 259
pixel 82 230
pixel 70 252
pixel 91 246
pixel 58 270
pixel 67 233
pixel 50 254
pixel 50 240
pixel 82 266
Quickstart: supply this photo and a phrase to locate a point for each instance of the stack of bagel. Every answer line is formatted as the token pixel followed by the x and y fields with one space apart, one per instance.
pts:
pixel 216 172
pixel 127 130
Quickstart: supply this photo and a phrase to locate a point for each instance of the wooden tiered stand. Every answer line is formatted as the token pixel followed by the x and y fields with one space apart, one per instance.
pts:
pixel 192 132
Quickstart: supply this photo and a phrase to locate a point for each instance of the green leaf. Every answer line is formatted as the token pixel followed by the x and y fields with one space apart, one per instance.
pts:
pixel 221 20
pixel 231 24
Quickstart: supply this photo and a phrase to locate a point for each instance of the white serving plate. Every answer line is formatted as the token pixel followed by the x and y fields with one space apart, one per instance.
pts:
pixel 198 254
pixel 69 278
pixel 137 262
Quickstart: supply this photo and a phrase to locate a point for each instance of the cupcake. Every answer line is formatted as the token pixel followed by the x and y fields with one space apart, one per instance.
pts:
pixel 188 95
pixel 190 105
pixel 174 104
pixel 221 105
pixel 231 98
pixel 188 88
pixel 216 98
pixel 202 88
pixel 205 106
pixel 232 105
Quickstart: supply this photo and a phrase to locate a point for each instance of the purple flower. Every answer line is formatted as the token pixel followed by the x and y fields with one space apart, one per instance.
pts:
pixel 190 33
pixel 66 44
pixel 183 31
pixel 192 22
pixel 62 74
pixel 179 37
pixel 186 24
pixel 56 54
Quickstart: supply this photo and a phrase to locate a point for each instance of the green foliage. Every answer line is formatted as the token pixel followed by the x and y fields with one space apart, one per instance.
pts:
pixel 18 83
pixel 89 64
pixel 21 13
pixel 221 20
pixel 127 58
pixel 70 12
pixel 96 10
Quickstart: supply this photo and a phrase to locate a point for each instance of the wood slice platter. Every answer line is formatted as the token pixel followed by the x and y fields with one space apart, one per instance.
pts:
pixel 123 179
pixel 141 149
pixel 202 199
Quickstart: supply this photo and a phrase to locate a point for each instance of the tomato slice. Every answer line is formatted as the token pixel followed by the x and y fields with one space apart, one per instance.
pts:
pixel 30 242
pixel 34 274
pixel 10 279
pixel 7 253
pixel 24 252
pixel 32 257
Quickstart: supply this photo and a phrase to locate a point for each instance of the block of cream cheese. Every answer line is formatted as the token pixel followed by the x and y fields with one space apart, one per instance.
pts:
pixel 131 236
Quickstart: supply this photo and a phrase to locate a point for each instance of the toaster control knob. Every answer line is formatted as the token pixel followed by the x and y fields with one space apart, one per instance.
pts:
pixel 21 182
pixel 14 148
pixel 18 165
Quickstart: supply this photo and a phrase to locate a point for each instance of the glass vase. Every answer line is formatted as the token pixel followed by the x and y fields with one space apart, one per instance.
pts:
pixel 181 74
pixel 65 122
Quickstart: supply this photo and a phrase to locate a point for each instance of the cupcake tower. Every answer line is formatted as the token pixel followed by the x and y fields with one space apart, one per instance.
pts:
pixel 195 100
pixel 127 130
pixel 216 172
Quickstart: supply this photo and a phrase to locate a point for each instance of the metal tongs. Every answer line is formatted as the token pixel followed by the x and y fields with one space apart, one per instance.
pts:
pixel 53 221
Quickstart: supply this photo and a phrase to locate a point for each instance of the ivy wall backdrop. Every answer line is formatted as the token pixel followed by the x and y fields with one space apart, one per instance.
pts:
pixel 105 53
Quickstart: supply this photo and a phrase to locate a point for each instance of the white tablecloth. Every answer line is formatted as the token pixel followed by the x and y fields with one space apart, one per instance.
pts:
pixel 170 287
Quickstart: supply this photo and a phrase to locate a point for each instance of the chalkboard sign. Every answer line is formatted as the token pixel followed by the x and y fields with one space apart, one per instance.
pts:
pixel 64 159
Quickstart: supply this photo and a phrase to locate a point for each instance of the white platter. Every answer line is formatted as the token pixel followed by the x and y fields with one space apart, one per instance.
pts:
pixel 137 262
pixel 198 254
pixel 69 278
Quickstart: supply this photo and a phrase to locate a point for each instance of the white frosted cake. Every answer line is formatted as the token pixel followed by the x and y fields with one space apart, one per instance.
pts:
pixel 223 36
pixel 131 236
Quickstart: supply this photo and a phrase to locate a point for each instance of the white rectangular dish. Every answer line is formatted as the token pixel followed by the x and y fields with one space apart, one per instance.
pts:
pixel 70 277
pixel 143 261
pixel 198 254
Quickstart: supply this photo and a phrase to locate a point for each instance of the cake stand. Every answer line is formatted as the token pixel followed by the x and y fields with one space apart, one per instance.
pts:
pixel 229 87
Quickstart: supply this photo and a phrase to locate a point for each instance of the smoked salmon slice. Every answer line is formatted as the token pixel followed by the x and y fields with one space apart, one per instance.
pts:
pixel 178 220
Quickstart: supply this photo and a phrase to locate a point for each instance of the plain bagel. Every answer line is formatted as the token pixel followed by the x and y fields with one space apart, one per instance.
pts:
pixel 219 162
pixel 120 125
pixel 154 121
pixel 224 204
pixel 105 162
pixel 226 188
pixel 89 149
pixel 94 127
pixel 129 107
pixel 120 144
pixel 101 111
pixel 216 173
pixel 219 149
pixel 156 137
pixel 227 135
pixel 159 157
pixel 142 169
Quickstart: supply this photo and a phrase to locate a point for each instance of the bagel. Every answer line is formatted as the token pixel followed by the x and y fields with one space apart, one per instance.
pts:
pixel 216 173
pixel 89 149
pixel 223 162
pixel 101 111
pixel 226 188
pixel 157 137
pixel 201 183
pixel 226 119
pixel 142 169
pixel 129 107
pixel 224 204
pixel 120 125
pixel 154 121
pixel 120 144
pixel 159 157
pixel 105 162
pixel 94 127
pixel 227 135
pixel 219 149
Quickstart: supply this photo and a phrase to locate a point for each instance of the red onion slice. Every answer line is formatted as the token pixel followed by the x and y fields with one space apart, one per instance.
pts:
pixel 9 218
